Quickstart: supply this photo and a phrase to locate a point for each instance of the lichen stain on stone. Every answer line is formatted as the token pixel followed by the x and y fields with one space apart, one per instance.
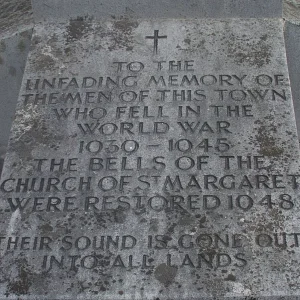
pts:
pixel 277 217
pixel 252 52
pixel 125 25
pixel 120 35
pixel 31 129
pixel 77 29
pixel 102 219
pixel 46 228
pixel 266 223
pixel 192 43
pixel 44 62
pixel 21 284
pixel 187 41
pixel 267 143
pixel 120 216
pixel 165 274
pixel 230 277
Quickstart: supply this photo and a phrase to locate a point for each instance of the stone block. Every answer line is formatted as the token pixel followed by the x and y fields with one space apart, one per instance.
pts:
pixel 152 159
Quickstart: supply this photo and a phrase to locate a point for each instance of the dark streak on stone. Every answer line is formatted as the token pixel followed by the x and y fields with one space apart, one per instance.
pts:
pixel 77 29
pixel 253 53
pixel 267 143
pixel 44 62
pixel 165 274
pixel 121 34
pixel 230 277
pixel 21 285
pixel 46 228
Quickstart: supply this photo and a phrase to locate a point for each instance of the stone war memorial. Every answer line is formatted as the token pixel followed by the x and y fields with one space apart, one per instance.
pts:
pixel 154 155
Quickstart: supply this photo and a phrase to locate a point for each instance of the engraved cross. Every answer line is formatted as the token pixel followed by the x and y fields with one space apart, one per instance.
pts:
pixel 155 38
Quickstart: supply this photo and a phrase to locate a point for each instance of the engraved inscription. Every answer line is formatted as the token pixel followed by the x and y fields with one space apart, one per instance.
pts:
pixel 155 38
pixel 167 174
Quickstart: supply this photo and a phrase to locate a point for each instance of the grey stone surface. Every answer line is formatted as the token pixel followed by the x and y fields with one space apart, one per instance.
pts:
pixel 15 16
pixel 176 221
pixel 16 25
pixel 291 10
pixel 56 9
pixel 291 13
pixel 292 39
pixel 13 54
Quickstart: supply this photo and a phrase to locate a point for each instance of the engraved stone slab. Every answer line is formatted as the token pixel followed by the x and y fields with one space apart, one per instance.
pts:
pixel 152 159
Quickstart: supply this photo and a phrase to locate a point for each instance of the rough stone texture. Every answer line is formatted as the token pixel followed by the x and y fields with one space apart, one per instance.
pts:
pixel 292 38
pixel 16 25
pixel 15 16
pixel 291 13
pixel 291 10
pixel 56 9
pixel 13 54
pixel 156 220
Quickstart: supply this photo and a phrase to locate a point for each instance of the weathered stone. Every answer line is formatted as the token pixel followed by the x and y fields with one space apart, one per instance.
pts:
pixel 15 16
pixel 56 9
pixel 153 159
pixel 16 25
pixel 13 54
pixel 291 11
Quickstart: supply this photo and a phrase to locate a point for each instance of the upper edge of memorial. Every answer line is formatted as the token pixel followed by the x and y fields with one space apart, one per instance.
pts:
pixel 47 10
